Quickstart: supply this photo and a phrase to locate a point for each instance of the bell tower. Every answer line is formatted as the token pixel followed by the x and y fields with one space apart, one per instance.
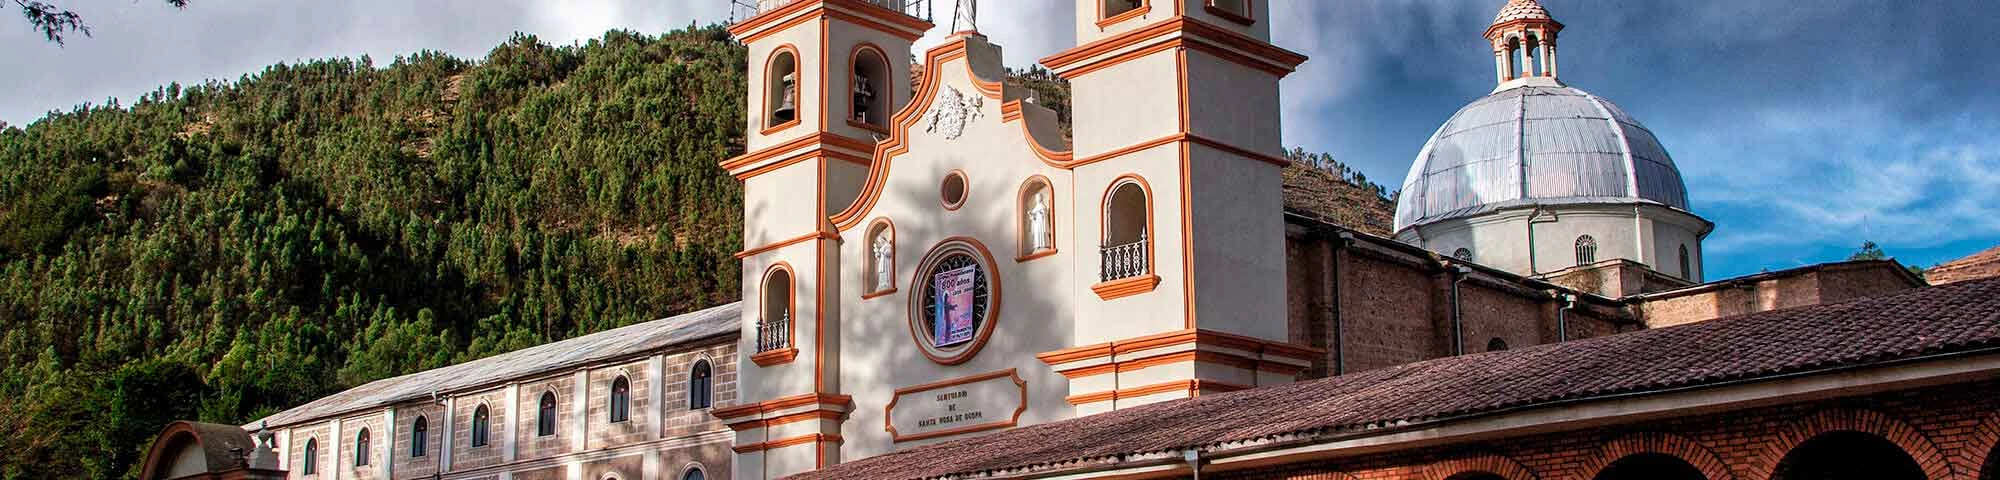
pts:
pixel 1524 42
pixel 824 78
pixel 1178 144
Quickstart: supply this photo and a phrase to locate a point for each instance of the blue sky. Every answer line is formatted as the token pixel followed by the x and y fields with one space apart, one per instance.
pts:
pixel 1803 127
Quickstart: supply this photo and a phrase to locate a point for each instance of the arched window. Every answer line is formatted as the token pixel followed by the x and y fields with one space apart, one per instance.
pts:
pixel 621 400
pixel 361 448
pixel 1848 454
pixel 1496 345
pixel 311 465
pixel 545 418
pixel 700 390
pixel 1533 64
pixel 1686 272
pixel 419 437
pixel 781 77
pixel 694 473
pixel 1112 8
pixel 1586 250
pixel 1462 254
pixel 774 330
pixel 881 247
pixel 869 91
pixel 1037 218
pixel 480 426
pixel 1514 60
pixel 1125 252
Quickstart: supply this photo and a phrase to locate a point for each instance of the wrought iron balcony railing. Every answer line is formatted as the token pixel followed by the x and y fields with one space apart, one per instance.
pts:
pixel 773 335
pixel 1123 261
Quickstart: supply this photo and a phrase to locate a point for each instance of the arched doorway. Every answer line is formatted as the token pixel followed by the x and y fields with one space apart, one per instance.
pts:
pixel 1847 455
pixel 1650 466
pixel 1991 469
pixel 1476 476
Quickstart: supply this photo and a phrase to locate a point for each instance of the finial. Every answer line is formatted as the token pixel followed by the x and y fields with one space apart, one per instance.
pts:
pixel 966 13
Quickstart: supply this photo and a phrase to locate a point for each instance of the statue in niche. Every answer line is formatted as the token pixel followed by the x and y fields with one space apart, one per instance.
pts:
pixel 882 250
pixel 1040 236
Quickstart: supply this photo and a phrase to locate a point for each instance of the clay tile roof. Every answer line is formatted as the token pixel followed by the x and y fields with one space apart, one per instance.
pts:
pixel 1521 10
pixel 1914 324
pixel 1977 266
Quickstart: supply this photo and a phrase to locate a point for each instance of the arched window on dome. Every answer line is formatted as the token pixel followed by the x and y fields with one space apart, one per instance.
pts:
pixel 781 98
pixel 1532 64
pixel 1514 60
pixel 1586 250
pixel 1462 254
pixel 1686 273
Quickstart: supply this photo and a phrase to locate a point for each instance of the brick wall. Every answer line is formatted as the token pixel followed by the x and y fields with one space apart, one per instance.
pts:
pixel 712 458
pixel 350 429
pixel 1948 430
pixel 299 437
pixel 603 432
pixel 529 443
pixel 682 421
pixel 406 418
pixel 550 473
pixel 628 467
pixel 464 455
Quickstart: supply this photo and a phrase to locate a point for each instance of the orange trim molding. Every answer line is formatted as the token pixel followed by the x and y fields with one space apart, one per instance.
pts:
pixel 889 425
pixel 1182 337
pixel 1126 287
pixel 782 403
pixel 775 357
pixel 815 438
pixel 787 419
pixel 786 243
pixel 1194 388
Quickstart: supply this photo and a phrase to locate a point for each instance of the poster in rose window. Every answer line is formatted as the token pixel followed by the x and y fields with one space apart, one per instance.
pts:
pixel 952 320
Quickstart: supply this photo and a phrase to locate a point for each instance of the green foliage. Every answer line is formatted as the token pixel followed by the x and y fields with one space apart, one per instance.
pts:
pixel 1868 251
pixel 225 250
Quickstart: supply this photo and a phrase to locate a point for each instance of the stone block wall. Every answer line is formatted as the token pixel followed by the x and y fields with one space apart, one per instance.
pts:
pixel 529 443
pixel 409 467
pixel 627 467
pixel 713 459
pixel 297 444
pixel 682 421
pixel 350 430
pixel 637 427
pixel 464 455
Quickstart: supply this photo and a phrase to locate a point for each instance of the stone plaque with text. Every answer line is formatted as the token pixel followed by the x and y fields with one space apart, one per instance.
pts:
pixel 952 407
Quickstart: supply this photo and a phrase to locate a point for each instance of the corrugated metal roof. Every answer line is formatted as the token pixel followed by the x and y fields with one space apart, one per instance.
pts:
pixel 1533 144
pixel 528 362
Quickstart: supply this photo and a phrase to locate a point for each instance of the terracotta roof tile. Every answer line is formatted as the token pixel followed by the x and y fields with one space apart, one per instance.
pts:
pixel 1916 323
pixel 1980 265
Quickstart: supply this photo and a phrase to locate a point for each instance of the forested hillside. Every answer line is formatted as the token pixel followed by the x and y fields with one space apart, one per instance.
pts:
pixel 222 251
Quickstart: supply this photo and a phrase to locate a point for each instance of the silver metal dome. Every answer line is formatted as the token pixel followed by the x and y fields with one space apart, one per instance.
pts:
pixel 1537 143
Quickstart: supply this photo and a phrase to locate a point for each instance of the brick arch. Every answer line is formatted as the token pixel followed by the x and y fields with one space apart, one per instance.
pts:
pixel 1486 462
pixel 1711 465
pixel 1919 447
pixel 1979 447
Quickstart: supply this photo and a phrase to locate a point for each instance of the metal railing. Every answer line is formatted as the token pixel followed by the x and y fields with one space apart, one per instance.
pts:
pixel 774 335
pixel 1123 261
pixel 744 9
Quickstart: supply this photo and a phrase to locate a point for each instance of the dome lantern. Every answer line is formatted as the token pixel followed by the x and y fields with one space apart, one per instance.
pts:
pixel 1523 36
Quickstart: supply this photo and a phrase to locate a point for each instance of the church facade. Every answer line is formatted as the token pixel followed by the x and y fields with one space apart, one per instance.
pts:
pixel 939 282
